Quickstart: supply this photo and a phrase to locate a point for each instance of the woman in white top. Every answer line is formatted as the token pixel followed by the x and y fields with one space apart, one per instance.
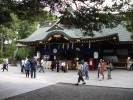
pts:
pixel 129 63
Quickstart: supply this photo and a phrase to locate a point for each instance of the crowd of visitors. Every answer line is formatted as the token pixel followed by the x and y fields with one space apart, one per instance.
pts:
pixel 56 65
pixel 30 65
pixel 83 70
pixel 104 65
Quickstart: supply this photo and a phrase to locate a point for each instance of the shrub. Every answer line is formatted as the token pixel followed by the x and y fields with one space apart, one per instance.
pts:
pixel 23 52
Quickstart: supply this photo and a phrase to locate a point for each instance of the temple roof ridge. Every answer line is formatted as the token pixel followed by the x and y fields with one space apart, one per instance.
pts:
pixel 75 33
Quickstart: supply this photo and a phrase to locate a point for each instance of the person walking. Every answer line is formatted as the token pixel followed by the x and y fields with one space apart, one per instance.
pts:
pixel 86 70
pixel 57 66
pixel 53 65
pixel 41 65
pixel 103 67
pixel 109 69
pixel 22 65
pixel 27 67
pixel 80 74
pixel 5 65
pixel 99 67
pixel 33 67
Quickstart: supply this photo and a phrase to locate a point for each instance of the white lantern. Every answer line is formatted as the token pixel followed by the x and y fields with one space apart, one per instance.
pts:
pixel 95 55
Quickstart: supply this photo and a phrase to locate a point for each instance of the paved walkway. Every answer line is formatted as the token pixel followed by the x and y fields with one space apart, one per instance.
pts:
pixel 71 92
pixel 13 82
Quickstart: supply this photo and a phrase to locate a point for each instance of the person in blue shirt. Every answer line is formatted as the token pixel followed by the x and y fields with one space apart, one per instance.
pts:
pixel 109 69
pixel 86 70
pixel 27 67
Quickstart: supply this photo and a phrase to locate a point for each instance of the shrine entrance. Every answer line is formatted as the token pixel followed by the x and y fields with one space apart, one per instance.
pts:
pixel 68 43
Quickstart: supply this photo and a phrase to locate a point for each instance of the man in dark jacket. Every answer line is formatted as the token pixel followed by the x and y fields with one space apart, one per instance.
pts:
pixel 33 67
pixel 27 67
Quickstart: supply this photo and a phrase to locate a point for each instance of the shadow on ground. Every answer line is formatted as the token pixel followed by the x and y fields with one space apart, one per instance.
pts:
pixel 65 91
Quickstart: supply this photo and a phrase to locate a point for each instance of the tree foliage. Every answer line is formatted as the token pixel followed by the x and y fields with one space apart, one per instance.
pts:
pixel 17 28
pixel 128 21
pixel 21 28
pixel 9 50
pixel 23 52
pixel 88 15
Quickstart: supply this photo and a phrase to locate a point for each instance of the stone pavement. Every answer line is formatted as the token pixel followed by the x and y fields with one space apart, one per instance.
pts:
pixel 13 82
pixel 71 92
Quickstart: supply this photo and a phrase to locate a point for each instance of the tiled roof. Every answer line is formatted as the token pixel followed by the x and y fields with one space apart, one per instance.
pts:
pixel 71 32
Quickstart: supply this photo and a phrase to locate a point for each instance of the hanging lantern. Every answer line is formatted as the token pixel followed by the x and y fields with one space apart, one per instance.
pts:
pixel 55 50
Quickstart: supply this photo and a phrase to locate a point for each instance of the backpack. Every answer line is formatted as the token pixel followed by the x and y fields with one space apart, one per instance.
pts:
pixel 27 65
pixel 33 64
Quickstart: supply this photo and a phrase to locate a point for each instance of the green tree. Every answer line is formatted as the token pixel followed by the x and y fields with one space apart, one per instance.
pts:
pixel 88 14
pixel 128 21
pixel 23 52
pixel 9 50
pixel 22 28
pixel 19 29
pixel 8 34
